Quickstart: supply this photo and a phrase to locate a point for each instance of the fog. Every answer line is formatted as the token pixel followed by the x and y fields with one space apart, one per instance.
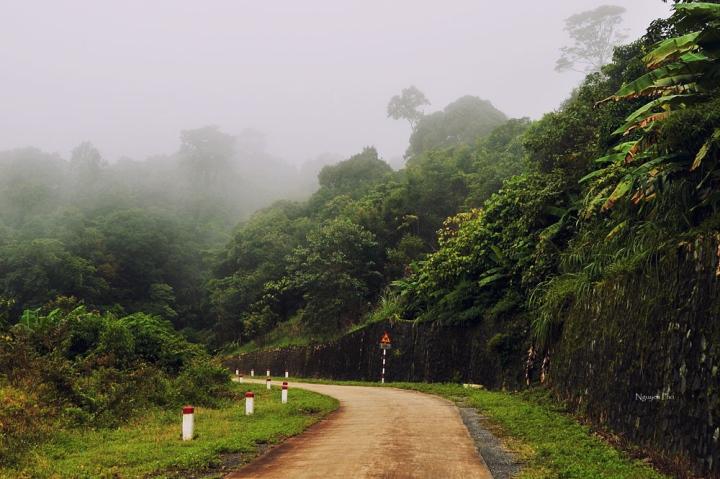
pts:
pixel 313 76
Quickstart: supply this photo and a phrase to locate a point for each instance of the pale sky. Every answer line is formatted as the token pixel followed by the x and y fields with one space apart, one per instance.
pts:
pixel 313 75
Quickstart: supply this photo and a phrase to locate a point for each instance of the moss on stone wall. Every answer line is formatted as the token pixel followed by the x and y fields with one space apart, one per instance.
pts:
pixel 642 357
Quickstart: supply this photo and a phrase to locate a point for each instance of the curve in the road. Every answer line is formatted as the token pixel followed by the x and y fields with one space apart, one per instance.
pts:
pixel 376 433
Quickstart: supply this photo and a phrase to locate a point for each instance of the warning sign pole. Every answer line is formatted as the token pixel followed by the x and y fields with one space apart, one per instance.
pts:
pixel 382 375
pixel 384 345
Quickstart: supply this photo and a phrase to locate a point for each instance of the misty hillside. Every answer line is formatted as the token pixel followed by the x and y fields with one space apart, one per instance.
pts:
pixel 234 173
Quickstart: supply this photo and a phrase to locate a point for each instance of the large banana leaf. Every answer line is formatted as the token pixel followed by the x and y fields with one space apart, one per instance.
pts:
pixel 685 70
pixel 697 12
pixel 671 49
pixel 622 189
pixel 619 152
pixel 645 112
pixel 648 121
pixel 592 175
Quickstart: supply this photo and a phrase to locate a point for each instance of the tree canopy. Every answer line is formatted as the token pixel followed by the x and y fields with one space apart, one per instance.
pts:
pixel 461 122
pixel 594 34
pixel 407 106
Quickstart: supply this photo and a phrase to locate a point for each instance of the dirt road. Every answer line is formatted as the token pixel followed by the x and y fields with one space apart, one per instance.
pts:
pixel 376 433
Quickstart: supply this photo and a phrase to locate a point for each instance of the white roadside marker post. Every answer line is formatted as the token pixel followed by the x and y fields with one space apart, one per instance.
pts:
pixel 242 379
pixel 188 423
pixel 237 372
pixel 287 375
pixel 249 403
pixel 252 372
pixel 284 392
pixel 267 382
pixel 268 373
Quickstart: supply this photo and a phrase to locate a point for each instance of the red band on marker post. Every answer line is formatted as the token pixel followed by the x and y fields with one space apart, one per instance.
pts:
pixel 249 403
pixel 285 385
pixel 188 410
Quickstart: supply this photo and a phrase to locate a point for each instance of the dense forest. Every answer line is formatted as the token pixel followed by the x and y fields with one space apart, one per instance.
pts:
pixel 132 235
pixel 149 236
pixel 149 265
pixel 318 267
pixel 503 228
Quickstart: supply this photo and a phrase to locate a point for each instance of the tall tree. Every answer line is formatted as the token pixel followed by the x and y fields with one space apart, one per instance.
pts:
pixel 594 33
pixel 355 175
pixel 336 273
pixel 406 105
pixel 461 122
pixel 207 152
pixel 86 162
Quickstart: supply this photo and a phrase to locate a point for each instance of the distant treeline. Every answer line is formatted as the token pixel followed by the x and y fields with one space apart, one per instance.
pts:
pixel 131 235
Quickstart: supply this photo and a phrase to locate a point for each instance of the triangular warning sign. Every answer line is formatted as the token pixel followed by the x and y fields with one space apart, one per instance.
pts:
pixel 385 339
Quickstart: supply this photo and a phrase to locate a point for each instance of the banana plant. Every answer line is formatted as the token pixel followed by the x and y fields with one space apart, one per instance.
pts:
pixel 683 71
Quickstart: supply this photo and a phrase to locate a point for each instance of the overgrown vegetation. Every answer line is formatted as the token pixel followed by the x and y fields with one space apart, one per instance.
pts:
pixel 656 187
pixel 70 368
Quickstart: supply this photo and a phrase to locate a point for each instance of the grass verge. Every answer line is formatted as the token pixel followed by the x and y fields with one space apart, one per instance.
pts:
pixel 551 443
pixel 150 446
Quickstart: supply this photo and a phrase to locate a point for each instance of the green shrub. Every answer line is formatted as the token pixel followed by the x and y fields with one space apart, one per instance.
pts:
pixel 156 342
pixel 23 421
pixel 116 343
pixel 110 396
pixel 203 383
pixel 85 368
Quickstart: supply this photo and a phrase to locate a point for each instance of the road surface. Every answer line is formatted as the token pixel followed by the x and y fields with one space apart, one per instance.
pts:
pixel 376 433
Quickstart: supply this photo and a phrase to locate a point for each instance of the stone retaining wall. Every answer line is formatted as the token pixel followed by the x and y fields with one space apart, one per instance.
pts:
pixel 420 352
